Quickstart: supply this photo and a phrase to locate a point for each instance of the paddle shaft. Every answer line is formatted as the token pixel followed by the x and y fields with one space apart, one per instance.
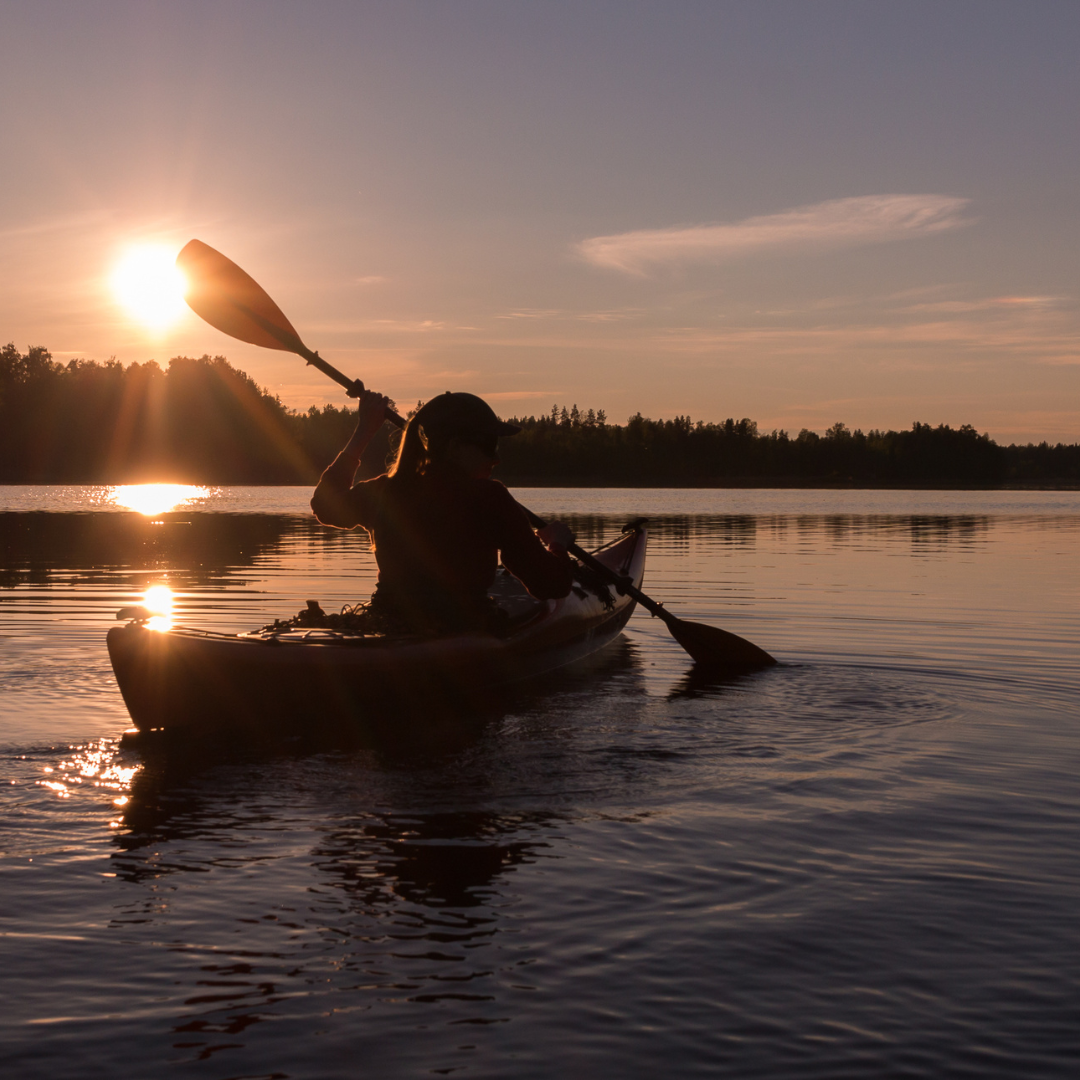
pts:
pixel 622 585
pixel 354 387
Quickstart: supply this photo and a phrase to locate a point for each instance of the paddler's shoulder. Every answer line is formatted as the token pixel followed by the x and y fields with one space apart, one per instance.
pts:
pixel 492 495
pixel 494 489
pixel 376 485
pixel 495 496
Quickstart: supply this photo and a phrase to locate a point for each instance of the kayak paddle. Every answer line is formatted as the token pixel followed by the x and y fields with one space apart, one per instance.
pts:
pixel 233 302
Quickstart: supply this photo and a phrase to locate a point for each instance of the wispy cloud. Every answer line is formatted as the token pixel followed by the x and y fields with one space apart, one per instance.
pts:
pixel 454 373
pixel 62 223
pixel 560 315
pixel 618 315
pixel 866 219
pixel 532 313
pixel 515 395
pixel 1015 303
pixel 369 326
pixel 922 344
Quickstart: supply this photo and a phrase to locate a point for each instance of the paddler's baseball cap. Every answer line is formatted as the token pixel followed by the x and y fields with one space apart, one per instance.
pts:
pixel 463 416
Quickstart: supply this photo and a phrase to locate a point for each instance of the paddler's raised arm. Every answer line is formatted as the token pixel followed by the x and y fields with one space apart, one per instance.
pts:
pixel 330 502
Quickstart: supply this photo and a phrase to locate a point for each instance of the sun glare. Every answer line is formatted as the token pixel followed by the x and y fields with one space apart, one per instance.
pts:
pixel 159 600
pixel 150 499
pixel 148 284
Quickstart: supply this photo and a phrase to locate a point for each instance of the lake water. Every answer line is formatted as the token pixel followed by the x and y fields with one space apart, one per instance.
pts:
pixel 864 862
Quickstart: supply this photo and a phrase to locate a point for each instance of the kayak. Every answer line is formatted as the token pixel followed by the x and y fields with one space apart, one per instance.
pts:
pixel 287 677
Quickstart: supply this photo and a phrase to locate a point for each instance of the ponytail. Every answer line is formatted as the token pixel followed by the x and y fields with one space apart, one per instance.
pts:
pixel 435 425
pixel 416 450
pixel 412 455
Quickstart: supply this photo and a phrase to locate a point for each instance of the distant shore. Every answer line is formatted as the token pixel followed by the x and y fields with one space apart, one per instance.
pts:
pixel 728 483
pixel 202 419
pixel 735 483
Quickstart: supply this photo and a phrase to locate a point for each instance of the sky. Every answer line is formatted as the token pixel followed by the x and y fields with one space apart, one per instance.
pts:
pixel 798 212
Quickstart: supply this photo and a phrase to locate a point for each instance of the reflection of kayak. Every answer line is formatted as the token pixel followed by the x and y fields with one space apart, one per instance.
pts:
pixel 288 678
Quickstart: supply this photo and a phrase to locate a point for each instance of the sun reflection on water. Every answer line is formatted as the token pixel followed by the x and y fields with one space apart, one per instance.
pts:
pixel 159 599
pixel 152 499
pixel 93 765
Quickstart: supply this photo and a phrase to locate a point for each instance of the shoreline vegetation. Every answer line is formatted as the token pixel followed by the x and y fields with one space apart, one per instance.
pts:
pixel 204 421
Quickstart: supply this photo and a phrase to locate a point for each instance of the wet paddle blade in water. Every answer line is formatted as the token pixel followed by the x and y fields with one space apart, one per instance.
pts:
pixel 716 649
pixel 232 301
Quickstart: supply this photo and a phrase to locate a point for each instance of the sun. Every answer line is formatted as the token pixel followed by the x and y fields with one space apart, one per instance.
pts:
pixel 148 284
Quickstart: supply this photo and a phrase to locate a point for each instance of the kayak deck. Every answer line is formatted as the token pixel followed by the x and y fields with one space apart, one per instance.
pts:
pixel 287 678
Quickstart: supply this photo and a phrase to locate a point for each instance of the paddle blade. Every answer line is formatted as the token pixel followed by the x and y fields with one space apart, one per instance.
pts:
pixel 716 649
pixel 232 301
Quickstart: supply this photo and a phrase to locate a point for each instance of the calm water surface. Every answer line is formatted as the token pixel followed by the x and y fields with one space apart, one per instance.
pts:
pixel 861 863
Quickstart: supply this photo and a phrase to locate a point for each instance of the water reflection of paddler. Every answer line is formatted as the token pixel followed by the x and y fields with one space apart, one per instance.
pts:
pixel 437 520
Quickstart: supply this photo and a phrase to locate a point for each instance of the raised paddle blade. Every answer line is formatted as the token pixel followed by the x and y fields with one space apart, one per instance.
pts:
pixel 716 649
pixel 232 301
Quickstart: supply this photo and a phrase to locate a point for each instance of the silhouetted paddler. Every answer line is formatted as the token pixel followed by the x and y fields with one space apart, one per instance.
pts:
pixel 438 522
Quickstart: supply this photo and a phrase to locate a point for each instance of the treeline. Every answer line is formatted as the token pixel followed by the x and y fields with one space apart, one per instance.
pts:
pixel 569 446
pixel 198 420
pixel 201 420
